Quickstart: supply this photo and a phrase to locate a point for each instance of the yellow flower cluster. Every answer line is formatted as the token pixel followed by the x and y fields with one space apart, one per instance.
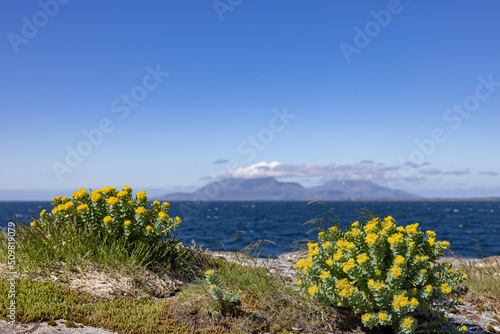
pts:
pixel 141 195
pixel 344 244
pixel 362 258
pixel 113 200
pixel 324 274
pixel 395 238
pixel 370 226
pixel 399 260
pixel 355 232
pixel 376 285
pixel 346 266
pixel 445 288
pixel 371 238
pixel 412 228
pixel 382 316
pixel 163 215
pixel 65 206
pixel 108 190
pixel 304 264
pixel 313 249
pixel 313 289
pixel 80 194
pixel 122 193
pixel 82 207
pixel 400 301
pixel 345 288
pixel 95 196
pixel 326 245
pixel 396 271
pixel 107 219
pixel 387 223
pixel 407 323
pixel 140 210
pixel 444 244
pixel 178 220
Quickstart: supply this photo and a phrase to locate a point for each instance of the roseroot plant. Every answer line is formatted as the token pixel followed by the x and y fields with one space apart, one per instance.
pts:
pixel 225 299
pixel 111 214
pixel 388 273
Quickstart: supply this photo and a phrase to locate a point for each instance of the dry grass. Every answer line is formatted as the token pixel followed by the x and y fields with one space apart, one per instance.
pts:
pixel 484 282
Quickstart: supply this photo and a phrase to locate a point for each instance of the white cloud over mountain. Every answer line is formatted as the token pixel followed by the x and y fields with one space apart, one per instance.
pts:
pixel 365 170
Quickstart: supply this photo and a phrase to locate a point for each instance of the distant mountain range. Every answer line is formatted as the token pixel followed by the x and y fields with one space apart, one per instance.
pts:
pixel 270 189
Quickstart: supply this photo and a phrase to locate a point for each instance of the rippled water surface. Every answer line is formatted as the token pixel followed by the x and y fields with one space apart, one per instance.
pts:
pixel 470 226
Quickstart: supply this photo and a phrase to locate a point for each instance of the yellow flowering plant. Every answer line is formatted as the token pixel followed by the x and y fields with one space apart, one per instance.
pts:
pixel 112 214
pixel 225 300
pixel 387 272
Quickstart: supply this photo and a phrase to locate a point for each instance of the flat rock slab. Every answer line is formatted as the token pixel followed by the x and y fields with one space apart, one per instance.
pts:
pixel 45 328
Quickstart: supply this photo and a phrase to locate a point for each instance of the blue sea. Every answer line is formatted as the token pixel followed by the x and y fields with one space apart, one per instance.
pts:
pixel 472 227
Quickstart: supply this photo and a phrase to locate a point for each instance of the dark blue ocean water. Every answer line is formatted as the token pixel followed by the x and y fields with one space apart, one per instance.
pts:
pixel 472 227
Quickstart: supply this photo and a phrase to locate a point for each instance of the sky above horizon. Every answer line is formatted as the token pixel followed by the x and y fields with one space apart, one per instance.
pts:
pixel 170 95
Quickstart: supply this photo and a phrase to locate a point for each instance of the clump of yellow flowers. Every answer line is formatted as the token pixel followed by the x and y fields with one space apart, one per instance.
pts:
pixel 113 214
pixel 386 272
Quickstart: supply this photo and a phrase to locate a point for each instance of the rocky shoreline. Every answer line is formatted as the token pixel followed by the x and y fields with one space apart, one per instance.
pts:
pixel 478 320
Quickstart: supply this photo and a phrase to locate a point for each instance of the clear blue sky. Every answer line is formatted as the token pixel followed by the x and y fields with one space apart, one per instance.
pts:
pixel 361 83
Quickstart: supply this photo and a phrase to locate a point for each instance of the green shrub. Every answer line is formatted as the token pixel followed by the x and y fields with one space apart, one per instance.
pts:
pixel 386 272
